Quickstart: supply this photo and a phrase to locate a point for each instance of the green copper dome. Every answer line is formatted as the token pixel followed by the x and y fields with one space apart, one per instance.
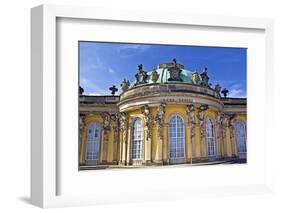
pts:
pixel 170 73
pixel 164 75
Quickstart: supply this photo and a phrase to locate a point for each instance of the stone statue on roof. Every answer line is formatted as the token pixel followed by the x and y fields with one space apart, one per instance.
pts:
pixel 204 78
pixel 218 88
pixel 125 85
pixel 174 71
pixel 140 76
pixel 81 90
pixel 154 76
pixel 195 77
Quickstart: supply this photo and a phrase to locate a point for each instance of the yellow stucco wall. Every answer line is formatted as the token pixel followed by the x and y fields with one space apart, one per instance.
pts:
pixel 87 121
pixel 170 110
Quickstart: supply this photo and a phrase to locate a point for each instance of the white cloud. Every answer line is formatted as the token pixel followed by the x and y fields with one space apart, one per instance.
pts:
pixel 111 70
pixel 95 94
pixel 92 89
pixel 128 50
pixel 134 46
pixel 236 91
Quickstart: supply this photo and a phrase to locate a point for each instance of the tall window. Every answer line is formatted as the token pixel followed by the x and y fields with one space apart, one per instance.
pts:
pixel 137 140
pixel 210 138
pixel 93 142
pixel 176 137
pixel 241 137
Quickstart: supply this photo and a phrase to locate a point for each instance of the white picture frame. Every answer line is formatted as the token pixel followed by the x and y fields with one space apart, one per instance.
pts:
pixel 44 83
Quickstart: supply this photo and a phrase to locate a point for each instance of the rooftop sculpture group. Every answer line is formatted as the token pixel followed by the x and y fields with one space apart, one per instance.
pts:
pixel 174 71
pixel 175 75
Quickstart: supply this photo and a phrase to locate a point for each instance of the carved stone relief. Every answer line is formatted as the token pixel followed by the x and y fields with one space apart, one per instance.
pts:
pixel 201 119
pixel 81 124
pixel 115 127
pixel 219 134
pixel 148 122
pixel 106 129
pixel 192 123
pixel 123 119
pixel 224 126
pixel 232 132
pixel 160 123
pixel 160 120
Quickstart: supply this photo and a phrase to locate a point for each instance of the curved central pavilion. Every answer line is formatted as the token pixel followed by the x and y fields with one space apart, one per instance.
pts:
pixel 168 115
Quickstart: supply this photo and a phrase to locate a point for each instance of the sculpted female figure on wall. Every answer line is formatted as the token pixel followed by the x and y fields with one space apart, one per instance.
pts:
pixel 192 122
pixel 123 128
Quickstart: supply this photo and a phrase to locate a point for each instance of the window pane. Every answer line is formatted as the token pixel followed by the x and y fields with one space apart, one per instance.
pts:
pixel 93 141
pixel 137 140
pixel 241 137
pixel 176 137
pixel 210 138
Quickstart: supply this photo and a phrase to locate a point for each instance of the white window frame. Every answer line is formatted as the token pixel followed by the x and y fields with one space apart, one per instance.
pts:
pixel 176 116
pixel 134 146
pixel 96 142
pixel 245 137
pixel 208 138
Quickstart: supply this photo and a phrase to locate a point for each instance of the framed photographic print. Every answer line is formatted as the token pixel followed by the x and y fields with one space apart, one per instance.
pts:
pixel 147 105
pixel 168 115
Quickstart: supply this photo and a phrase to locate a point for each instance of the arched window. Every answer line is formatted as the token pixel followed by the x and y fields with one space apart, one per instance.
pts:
pixel 137 140
pixel 241 138
pixel 93 143
pixel 210 138
pixel 176 137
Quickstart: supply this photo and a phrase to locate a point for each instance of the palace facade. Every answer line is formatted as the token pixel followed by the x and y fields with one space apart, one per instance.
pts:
pixel 168 115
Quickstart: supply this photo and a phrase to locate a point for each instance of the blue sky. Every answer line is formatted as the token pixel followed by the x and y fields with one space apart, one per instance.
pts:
pixel 105 64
